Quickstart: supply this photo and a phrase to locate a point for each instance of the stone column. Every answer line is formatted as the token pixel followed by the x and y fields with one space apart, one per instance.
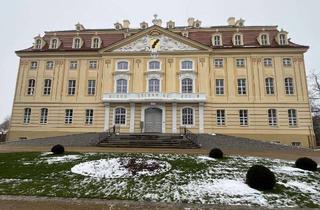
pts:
pixel 201 117
pixel 174 117
pixel 106 116
pixel 132 114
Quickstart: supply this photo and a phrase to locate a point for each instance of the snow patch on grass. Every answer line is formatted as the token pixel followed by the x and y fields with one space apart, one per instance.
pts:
pixel 61 159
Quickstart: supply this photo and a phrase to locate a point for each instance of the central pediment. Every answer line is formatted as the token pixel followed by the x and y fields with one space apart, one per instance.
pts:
pixel 155 39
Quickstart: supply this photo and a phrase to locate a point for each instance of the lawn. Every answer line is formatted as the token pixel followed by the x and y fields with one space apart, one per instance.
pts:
pixel 183 178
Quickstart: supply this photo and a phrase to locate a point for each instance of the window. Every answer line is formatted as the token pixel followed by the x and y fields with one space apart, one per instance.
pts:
pixel 38 44
pixel 218 63
pixel 186 65
pixel 89 116
pixel 240 63
pixel 122 65
pixel 95 43
pixel 154 65
pixel 77 43
pixel 49 65
pixel 120 116
pixel 264 40
pixel 43 116
pixel 33 65
pixel 187 85
pixel 54 44
pixel 237 40
pixel 31 87
pixel 71 87
pixel 272 117
pixel 243 115
pixel 219 86
pixel 282 39
pixel 267 62
pixel 93 64
pixel 47 87
pixel 154 85
pixel 121 86
pixel 217 40
pixel 73 64
pixel 220 117
pixel 27 115
pixel 296 143
pixel 91 87
pixel 242 87
pixel 269 86
pixel 288 84
pixel 292 117
pixel 287 62
pixel 68 116
pixel 187 116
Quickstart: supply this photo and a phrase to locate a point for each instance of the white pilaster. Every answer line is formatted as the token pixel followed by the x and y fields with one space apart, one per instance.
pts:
pixel 132 114
pixel 106 116
pixel 201 117
pixel 174 117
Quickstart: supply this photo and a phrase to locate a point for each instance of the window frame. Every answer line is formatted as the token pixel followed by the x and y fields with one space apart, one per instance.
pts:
pixel 221 117
pixel 44 116
pixel 244 117
pixel 268 64
pixel 68 117
pixel 121 88
pixel 186 69
pixel 269 86
pixel 73 64
pixel 47 87
pixel 218 63
pixel 33 65
pixel 91 88
pixel 185 87
pixel 219 89
pixel 272 117
pixel 156 87
pixel 49 65
pixel 31 87
pixel 95 45
pixel 89 116
pixel 287 62
pixel 242 86
pixel 75 44
pixel 52 46
pixel 266 41
pixel 72 89
pixel 216 43
pixel 120 119
pixel 93 64
pixel 292 118
pixel 187 118
pixel 241 64
pixel 154 69
pixel 237 42
pixel 27 115
pixel 122 61
pixel 289 86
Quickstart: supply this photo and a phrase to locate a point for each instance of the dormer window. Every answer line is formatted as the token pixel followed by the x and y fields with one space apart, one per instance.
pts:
pixel 217 40
pixel 77 43
pixel 237 40
pixel 123 66
pixel 54 43
pixel 154 65
pixel 95 42
pixel 187 65
pixel 282 39
pixel 264 39
pixel 38 44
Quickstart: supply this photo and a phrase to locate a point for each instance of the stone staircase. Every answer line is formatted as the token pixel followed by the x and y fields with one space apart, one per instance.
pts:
pixel 147 140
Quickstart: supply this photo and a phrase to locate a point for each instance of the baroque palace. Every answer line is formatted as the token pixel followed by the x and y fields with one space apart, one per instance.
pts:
pixel 238 80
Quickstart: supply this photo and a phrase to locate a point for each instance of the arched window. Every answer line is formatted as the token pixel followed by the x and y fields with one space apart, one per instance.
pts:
pixel 154 65
pixel 217 40
pixel 186 65
pixel 288 84
pixel 187 116
pixel 121 86
pixel 31 87
pixel 269 86
pixel 27 115
pixel 44 116
pixel 120 116
pixel 95 42
pixel 154 85
pixel 264 40
pixel 38 44
pixel 237 39
pixel 187 85
pixel 54 44
pixel 282 39
pixel 77 43
pixel 122 65
pixel 272 117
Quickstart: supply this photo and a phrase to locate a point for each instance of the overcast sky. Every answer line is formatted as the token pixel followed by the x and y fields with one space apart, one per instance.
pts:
pixel 21 20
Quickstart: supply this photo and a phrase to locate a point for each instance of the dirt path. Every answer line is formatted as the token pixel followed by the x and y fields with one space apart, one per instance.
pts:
pixel 271 154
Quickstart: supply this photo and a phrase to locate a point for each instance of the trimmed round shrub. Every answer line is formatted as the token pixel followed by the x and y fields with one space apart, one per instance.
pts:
pixel 57 149
pixel 306 164
pixel 260 178
pixel 216 153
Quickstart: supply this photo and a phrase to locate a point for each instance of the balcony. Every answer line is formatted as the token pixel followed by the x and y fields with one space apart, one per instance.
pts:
pixel 154 97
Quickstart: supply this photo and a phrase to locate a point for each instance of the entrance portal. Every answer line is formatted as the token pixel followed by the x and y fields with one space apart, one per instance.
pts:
pixel 153 120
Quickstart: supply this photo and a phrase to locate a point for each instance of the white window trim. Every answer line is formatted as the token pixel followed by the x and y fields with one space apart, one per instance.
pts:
pixel 122 70
pixel 65 116
pixel 189 76
pixel 114 117
pixel 296 125
pixel 154 69
pixel 273 117
pixel 234 39
pixel 246 88
pixel 193 117
pixel 244 63
pixel 94 87
pixel 213 42
pixel 77 64
pixel 154 76
pixel 285 87
pixel 85 115
pixel 269 87
pixel 73 42
pixel 260 39
pixel 99 43
pixel 225 118
pixel 58 43
pixel 89 64
pixel 28 116
pixel 278 38
pixel 44 87
pixel 121 76
pixel 247 125
pixel 215 87
pixel 286 65
pixel 42 43
pixel 193 65
pixel 46 116
pixel 34 87
pixel 214 63
pixel 264 63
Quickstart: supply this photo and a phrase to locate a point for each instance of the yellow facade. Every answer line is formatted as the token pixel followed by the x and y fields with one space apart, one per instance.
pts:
pixel 204 75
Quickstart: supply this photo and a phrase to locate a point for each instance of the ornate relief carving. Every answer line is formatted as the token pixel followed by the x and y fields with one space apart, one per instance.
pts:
pixel 166 44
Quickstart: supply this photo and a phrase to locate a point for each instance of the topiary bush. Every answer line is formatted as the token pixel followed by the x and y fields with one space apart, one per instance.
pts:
pixel 306 164
pixel 216 153
pixel 260 178
pixel 57 149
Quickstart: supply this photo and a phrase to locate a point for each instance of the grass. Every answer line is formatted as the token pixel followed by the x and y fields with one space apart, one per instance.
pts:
pixel 190 180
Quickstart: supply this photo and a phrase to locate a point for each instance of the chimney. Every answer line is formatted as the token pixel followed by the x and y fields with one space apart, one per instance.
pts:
pixel 190 22
pixel 126 24
pixel 231 21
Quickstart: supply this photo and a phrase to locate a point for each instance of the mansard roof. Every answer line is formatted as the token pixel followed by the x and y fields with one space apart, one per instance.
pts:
pixel 201 35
